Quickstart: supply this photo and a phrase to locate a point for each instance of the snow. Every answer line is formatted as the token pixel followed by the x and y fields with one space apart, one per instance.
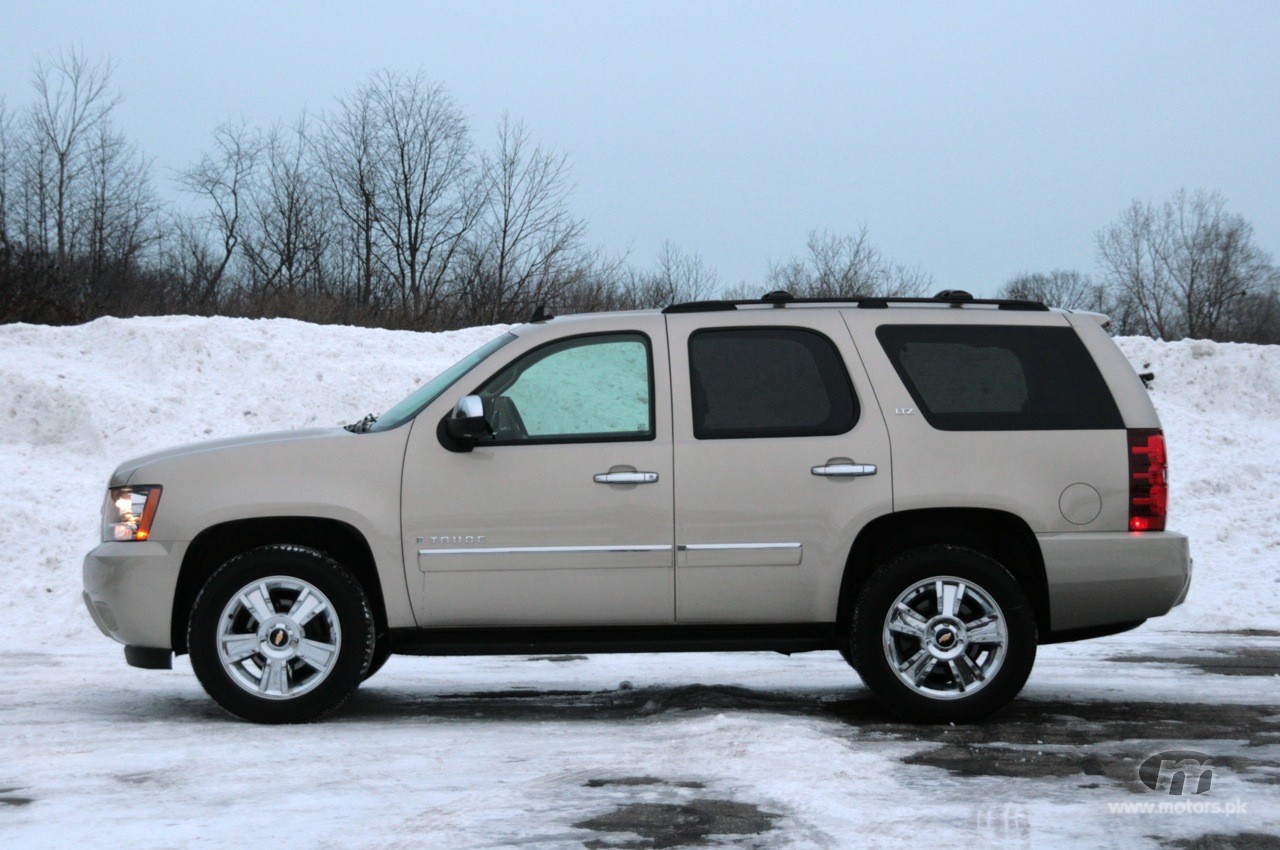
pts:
pixel 75 401
pixel 1219 404
pixel 510 751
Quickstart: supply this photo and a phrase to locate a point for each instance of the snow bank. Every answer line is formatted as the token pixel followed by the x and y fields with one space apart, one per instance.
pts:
pixel 76 401
pixel 1219 404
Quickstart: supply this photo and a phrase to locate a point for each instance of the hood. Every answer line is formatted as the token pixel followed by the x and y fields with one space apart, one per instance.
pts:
pixel 125 471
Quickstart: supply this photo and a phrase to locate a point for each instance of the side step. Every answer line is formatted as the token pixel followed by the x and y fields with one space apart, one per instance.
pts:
pixel 563 640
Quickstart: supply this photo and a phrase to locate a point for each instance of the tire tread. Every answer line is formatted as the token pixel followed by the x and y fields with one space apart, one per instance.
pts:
pixel 866 655
pixel 274 712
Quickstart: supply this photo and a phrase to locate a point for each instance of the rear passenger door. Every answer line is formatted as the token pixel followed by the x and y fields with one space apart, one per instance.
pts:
pixel 781 457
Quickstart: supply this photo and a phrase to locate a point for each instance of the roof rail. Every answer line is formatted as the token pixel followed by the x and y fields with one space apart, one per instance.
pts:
pixel 780 298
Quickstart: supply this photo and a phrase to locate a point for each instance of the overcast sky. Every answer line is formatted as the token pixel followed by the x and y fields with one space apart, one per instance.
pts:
pixel 975 141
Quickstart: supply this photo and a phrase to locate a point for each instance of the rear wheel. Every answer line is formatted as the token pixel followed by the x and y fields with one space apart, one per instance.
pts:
pixel 281 634
pixel 943 633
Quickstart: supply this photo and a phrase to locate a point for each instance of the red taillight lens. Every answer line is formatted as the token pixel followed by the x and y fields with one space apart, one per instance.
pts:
pixel 1148 479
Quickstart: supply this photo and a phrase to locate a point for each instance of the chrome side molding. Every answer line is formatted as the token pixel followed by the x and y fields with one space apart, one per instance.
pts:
pixel 729 547
pixel 548 550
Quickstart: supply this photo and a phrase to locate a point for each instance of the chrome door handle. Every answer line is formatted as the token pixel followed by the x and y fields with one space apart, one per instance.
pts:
pixel 625 477
pixel 845 470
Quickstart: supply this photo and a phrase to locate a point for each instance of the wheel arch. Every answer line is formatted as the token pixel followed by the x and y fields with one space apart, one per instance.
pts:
pixel 219 543
pixel 1000 535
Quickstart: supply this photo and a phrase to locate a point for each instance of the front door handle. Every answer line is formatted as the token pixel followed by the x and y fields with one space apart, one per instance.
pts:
pixel 845 470
pixel 625 477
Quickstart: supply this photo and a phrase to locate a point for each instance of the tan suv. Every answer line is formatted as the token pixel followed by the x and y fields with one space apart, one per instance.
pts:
pixel 930 486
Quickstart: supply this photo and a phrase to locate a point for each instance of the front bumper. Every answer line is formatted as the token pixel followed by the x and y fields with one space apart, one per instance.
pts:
pixel 1107 578
pixel 129 589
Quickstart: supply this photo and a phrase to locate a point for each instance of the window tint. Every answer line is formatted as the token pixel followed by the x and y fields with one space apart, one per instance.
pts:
pixel 585 388
pixel 1000 378
pixel 768 382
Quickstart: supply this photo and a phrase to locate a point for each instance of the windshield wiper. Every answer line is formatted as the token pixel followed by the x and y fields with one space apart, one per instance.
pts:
pixel 363 425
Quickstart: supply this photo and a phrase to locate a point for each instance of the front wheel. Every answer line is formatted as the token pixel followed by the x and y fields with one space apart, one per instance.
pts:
pixel 943 633
pixel 381 653
pixel 281 634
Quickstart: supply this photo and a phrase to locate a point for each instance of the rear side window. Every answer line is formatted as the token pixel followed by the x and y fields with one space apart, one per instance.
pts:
pixel 1000 378
pixel 768 382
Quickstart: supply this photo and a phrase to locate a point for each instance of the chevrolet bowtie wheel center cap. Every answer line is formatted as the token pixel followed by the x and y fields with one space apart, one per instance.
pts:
pixel 946 638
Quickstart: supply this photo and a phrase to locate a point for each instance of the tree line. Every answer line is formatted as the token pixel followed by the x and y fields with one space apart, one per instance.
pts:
pixel 385 211
pixel 1186 267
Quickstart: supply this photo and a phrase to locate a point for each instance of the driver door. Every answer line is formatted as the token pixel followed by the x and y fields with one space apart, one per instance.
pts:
pixel 546 522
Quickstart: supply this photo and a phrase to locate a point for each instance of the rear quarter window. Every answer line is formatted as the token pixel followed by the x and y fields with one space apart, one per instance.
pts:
pixel 1000 378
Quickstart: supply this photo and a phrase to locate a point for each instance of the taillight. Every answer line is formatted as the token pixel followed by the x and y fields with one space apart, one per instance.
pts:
pixel 1148 480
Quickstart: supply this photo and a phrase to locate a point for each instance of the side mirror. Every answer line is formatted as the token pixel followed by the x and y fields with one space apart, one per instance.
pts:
pixel 467 423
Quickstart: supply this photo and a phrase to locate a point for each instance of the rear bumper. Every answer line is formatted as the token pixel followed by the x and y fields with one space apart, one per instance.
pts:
pixel 1107 578
pixel 129 588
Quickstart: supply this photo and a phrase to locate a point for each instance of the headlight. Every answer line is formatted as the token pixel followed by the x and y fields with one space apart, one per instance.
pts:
pixel 128 512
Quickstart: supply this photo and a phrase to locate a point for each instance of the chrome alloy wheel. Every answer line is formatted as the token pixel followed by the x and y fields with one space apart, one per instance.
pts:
pixel 945 637
pixel 278 637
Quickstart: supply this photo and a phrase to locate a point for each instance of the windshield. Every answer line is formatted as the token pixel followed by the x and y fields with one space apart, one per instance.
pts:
pixel 431 390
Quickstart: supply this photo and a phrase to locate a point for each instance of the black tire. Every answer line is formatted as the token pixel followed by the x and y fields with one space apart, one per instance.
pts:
pixel 381 652
pixel 871 645
pixel 319 693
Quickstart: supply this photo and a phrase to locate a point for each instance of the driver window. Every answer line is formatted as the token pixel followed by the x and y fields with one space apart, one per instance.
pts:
pixel 593 388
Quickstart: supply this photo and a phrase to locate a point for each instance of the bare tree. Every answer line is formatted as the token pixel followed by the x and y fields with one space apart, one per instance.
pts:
pixel 1258 318
pixel 112 221
pixel 222 179
pixel 907 281
pixel 73 96
pixel 1213 261
pixel 1186 266
pixel 844 266
pixel 189 261
pixel 529 245
pixel 8 142
pixel 34 166
pixel 430 204
pixel 120 204
pixel 286 230
pixel 349 156
pixel 602 284
pixel 1129 259
pixel 1059 288
pixel 675 277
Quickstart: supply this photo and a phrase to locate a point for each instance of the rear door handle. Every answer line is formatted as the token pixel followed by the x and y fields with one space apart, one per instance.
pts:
pixel 625 477
pixel 845 470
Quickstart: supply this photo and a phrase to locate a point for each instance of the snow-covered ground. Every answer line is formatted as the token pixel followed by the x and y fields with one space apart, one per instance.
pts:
pixel 554 753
